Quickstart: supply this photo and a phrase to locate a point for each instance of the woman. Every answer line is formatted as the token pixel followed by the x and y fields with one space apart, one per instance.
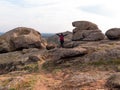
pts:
pixel 61 38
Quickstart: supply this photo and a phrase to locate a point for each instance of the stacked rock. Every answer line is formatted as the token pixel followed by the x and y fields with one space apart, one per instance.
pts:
pixel 85 30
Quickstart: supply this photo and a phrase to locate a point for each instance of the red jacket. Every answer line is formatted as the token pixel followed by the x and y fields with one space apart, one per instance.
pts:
pixel 61 38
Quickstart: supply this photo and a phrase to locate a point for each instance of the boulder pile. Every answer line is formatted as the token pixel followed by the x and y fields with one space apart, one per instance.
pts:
pixel 86 31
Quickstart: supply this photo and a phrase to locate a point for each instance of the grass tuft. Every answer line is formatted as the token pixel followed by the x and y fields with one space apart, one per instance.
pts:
pixel 31 67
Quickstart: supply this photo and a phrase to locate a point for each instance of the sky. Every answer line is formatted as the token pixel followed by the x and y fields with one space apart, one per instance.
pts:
pixel 53 16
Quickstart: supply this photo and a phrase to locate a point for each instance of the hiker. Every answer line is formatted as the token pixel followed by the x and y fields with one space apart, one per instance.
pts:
pixel 61 38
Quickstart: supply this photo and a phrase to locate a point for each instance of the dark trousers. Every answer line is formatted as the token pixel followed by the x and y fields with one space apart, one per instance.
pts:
pixel 61 43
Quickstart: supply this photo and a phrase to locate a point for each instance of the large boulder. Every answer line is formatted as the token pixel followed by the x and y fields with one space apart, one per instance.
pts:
pixel 20 38
pixel 84 25
pixel 113 34
pixel 91 35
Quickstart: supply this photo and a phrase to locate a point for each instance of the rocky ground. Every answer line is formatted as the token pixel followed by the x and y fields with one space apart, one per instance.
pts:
pixel 85 67
pixel 89 60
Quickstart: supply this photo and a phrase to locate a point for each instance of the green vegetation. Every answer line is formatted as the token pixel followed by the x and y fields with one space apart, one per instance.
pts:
pixel 104 65
pixel 31 67
pixel 105 62
pixel 20 84
pixel 12 89
pixel 48 66
pixel 113 64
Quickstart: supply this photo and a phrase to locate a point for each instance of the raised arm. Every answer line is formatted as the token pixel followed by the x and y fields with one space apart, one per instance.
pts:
pixel 57 34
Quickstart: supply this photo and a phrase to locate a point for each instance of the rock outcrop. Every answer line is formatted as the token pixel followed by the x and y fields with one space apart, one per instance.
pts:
pixel 20 38
pixel 18 60
pixel 58 55
pixel 86 31
pixel 113 34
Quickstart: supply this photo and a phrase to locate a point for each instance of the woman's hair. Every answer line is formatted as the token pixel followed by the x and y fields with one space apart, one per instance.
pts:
pixel 61 33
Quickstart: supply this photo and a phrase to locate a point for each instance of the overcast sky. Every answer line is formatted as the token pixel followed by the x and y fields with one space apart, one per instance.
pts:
pixel 52 16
